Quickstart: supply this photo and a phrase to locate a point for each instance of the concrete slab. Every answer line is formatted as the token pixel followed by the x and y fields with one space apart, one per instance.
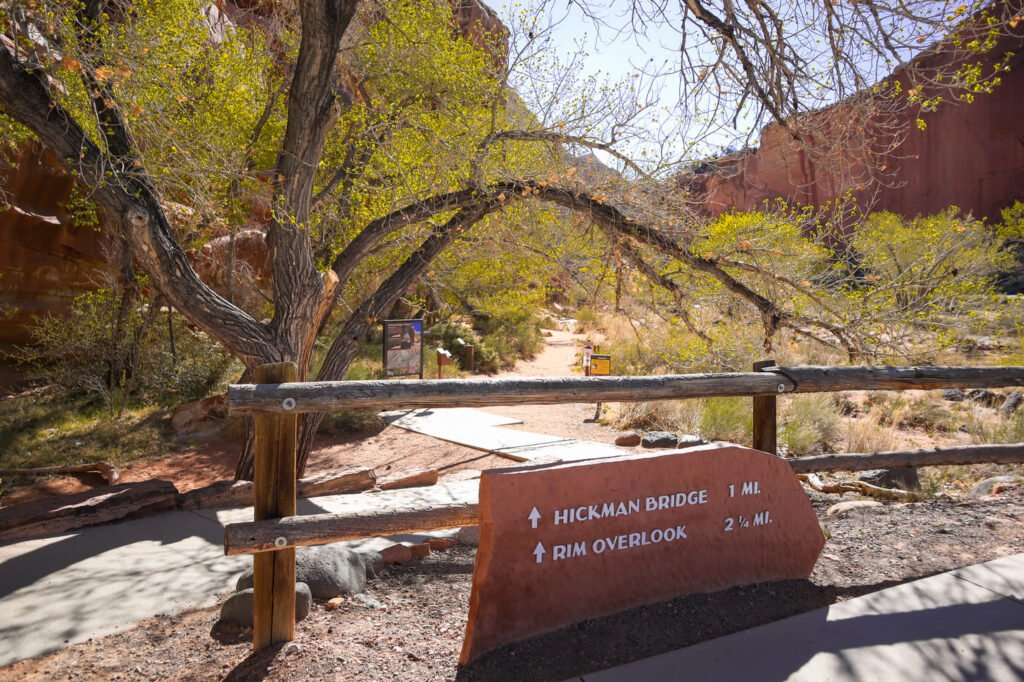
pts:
pixel 69 588
pixel 480 430
pixel 72 587
pixel 938 628
pixel 1004 576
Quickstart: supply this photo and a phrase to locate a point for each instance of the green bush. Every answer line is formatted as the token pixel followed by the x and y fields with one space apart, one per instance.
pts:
pixel 446 334
pixel 727 419
pixel 812 425
pixel 124 354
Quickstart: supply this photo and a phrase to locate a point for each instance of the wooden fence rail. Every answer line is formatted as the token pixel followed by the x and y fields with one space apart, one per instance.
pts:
pixel 319 529
pixel 277 401
pixel 331 396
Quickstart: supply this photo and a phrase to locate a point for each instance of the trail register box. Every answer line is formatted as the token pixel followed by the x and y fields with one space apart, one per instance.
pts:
pixel 563 543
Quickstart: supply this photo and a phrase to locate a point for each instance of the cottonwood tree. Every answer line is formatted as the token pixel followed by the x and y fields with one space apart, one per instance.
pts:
pixel 366 138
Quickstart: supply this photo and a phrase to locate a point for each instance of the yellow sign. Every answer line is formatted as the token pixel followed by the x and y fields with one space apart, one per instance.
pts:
pixel 600 365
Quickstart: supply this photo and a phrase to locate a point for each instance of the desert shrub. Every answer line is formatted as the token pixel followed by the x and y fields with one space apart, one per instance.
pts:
pixel 812 425
pixel 727 419
pixel 662 415
pixel 587 320
pixel 513 335
pixel 124 353
pixel 903 412
pixel 863 435
pixel 446 334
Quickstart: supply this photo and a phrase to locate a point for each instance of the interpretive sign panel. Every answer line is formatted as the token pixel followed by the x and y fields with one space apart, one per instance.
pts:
pixel 403 348
pixel 566 542
pixel 600 365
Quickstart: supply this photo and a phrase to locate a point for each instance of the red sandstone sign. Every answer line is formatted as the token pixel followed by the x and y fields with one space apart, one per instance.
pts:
pixel 563 543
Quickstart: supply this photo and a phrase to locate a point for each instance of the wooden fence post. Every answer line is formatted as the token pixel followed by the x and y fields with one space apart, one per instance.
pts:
pixel 764 417
pixel 273 618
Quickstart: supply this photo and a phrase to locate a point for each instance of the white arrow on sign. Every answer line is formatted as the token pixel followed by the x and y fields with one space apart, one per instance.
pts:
pixel 534 517
pixel 538 552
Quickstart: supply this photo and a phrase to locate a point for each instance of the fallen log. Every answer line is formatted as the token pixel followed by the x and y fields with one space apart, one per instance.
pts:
pixel 240 493
pixel 110 473
pixel 413 478
pixel 62 513
pixel 960 454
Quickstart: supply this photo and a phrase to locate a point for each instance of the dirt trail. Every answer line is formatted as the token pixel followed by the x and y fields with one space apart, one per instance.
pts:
pixel 572 420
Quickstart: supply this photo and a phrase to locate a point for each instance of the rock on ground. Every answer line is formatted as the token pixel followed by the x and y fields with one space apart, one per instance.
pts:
pixel 469 535
pixel 849 505
pixel 238 607
pixel 983 396
pixel 659 439
pixel 628 439
pixel 987 487
pixel 904 478
pixel 1011 403
pixel 327 570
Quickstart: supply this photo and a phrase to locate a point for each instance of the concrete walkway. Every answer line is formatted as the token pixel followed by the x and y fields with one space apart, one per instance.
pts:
pixel 965 625
pixel 92 582
pixel 482 431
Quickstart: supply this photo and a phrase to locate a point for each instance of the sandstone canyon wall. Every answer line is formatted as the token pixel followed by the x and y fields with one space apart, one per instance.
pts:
pixel 970 156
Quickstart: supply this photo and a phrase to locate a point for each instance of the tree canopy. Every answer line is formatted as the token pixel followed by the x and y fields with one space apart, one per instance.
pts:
pixel 378 146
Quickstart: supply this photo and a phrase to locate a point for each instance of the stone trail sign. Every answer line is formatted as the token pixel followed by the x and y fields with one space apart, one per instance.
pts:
pixel 563 543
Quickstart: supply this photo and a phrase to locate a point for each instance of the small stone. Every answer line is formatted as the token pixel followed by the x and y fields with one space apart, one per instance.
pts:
pixel 1011 403
pixel 659 439
pixel 954 395
pixel 690 441
pixel 396 554
pixel 442 543
pixel 335 604
pixel 843 507
pixel 420 550
pixel 368 601
pixel 628 439
pixel 292 648
pixel 469 535
pixel 989 486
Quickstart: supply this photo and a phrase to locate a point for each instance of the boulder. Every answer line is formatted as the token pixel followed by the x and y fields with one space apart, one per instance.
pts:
pixel 904 478
pixel 690 441
pixel 954 395
pixel 628 439
pixel 983 396
pixel 659 439
pixel 327 570
pixel 1011 403
pixel 989 485
pixel 200 418
pixel 238 607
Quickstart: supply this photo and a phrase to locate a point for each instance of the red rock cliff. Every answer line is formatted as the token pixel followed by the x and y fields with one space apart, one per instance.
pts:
pixel 970 155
